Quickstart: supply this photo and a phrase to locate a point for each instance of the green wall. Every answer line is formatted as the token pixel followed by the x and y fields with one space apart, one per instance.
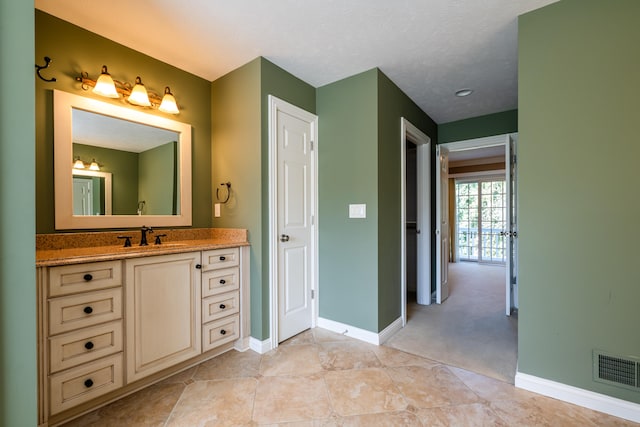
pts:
pixel 240 155
pixel 393 104
pixel 579 64
pixel 158 179
pixel 74 50
pixel 348 173
pixel 236 158
pixel 478 127
pixel 17 217
pixel 359 162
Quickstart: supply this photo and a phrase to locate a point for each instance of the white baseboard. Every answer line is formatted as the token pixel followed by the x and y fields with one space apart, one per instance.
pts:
pixel 361 334
pixel 242 345
pixel 260 346
pixel 588 399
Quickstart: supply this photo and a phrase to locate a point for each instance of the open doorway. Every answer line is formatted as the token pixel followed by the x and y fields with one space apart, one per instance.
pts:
pixel 415 220
pixel 470 329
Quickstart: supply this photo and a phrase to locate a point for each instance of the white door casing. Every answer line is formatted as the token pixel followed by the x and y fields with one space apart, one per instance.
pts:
pixel 442 224
pixel 409 132
pixel 511 232
pixel 510 143
pixel 293 213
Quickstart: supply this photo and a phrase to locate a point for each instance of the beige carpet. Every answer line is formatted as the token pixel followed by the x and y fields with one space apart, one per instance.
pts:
pixel 470 329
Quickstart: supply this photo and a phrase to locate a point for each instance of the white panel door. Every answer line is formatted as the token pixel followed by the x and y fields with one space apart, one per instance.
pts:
pixel 423 227
pixel 294 216
pixel 442 227
pixel 511 233
pixel 82 196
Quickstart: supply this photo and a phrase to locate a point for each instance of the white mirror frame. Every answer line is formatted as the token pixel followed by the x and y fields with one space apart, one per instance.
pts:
pixel 63 104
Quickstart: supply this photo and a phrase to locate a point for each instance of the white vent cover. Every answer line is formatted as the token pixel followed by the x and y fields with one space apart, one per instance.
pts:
pixel 620 371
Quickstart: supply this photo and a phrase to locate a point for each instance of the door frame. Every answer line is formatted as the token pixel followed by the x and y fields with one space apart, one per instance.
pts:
pixel 409 132
pixel 275 105
pixel 492 141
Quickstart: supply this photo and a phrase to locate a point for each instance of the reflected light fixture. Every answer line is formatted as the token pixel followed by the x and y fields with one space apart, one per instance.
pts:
pixel 139 94
pixel 79 164
pixel 168 104
pixel 94 166
pixel 105 85
pixel 135 94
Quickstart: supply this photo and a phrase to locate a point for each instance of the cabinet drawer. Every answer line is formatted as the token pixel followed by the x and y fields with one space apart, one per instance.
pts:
pixel 85 382
pixel 88 309
pixel 85 345
pixel 220 332
pixel 219 306
pixel 71 279
pixel 220 258
pixel 219 281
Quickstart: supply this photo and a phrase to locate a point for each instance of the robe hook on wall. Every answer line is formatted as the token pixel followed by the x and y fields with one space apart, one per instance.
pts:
pixel 47 62
pixel 226 199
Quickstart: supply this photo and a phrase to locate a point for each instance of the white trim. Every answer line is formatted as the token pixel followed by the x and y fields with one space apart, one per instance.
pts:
pixel 471 175
pixel 585 398
pixel 410 132
pixel 276 104
pixel 361 334
pixel 242 345
pixel 260 346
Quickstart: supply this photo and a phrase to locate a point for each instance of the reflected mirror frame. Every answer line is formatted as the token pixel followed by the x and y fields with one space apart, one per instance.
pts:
pixel 64 103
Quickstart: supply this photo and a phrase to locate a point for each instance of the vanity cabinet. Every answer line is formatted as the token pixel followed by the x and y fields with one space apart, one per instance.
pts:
pixel 220 297
pixel 109 328
pixel 163 312
pixel 83 312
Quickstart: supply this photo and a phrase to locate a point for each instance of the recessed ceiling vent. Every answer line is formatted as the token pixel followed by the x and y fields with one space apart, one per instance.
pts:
pixel 620 371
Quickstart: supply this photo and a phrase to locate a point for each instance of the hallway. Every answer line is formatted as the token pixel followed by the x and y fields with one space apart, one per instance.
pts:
pixel 469 330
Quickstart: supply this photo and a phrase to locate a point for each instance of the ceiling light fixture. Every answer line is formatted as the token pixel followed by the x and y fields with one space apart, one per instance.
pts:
pixel 464 92
pixel 135 94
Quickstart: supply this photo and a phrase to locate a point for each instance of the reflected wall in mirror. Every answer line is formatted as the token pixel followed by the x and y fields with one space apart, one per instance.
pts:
pixel 147 159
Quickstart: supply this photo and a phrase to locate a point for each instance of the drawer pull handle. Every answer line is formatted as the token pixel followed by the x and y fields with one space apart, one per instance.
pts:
pixel 198 266
pixel 88 345
pixel 222 281
pixel 88 309
pixel 222 306
pixel 222 258
pixel 87 277
pixel 88 383
pixel 223 332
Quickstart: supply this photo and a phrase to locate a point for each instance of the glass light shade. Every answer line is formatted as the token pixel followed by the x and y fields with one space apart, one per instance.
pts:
pixel 139 94
pixel 79 164
pixel 94 166
pixel 168 104
pixel 105 86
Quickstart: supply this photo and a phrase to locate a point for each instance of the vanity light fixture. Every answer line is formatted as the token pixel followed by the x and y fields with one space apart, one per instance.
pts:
pixel 105 85
pixel 139 94
pixel 135 94
pixel 79 164
pixel 94 166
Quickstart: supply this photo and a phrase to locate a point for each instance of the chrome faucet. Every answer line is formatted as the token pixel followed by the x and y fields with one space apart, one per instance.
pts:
pixel 143 239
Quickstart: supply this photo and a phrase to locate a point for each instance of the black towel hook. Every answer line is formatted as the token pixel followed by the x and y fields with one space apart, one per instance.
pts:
pixel 224 184
pixel 47 62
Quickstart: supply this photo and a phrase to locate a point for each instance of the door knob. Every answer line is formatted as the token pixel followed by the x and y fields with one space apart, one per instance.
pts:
pixel 418 231
pixel 284 238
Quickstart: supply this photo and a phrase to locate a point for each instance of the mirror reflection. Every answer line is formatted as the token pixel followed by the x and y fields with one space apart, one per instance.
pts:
pixel 141 159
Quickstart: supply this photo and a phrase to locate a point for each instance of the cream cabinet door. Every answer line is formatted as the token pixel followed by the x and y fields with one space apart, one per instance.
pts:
pixel 163 312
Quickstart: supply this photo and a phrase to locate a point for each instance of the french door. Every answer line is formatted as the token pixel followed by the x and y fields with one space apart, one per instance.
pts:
pixel 481 219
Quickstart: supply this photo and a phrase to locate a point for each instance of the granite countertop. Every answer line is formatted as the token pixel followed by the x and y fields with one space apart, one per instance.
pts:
pixel 76 248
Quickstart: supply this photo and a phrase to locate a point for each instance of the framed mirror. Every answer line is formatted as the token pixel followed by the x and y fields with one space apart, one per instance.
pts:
pixel 118 167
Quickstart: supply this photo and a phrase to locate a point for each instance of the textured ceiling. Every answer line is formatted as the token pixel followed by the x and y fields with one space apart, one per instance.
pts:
pixel 429 48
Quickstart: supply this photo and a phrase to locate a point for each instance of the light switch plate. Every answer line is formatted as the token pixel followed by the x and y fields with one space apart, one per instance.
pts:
pixel 358 211
pixel 216 208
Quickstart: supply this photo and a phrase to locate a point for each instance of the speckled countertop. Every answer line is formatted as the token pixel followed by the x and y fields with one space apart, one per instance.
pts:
pixel 76 248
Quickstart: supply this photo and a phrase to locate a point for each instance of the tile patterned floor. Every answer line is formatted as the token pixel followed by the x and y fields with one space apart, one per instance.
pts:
pixel 323 379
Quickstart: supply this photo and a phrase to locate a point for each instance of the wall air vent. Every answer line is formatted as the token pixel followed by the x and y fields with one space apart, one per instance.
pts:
pixel 620 371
